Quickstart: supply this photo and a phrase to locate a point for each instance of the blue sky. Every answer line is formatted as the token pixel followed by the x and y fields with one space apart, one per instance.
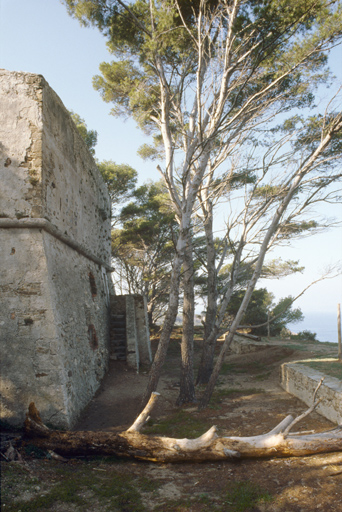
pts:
pixel 38 36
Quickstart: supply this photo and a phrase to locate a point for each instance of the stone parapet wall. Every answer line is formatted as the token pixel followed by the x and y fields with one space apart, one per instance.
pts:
pixel 301 381
pixel 54 253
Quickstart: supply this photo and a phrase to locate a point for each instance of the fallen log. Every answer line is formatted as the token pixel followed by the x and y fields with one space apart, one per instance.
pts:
pixel 279 442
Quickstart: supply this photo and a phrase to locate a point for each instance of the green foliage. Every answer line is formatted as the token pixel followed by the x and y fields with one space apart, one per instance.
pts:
pixel 146 222
pixel 257 309
pixel 90 12
pixel 265 192
pixel 179 424
pixel 257 312
pixel 331 367
pixel 309 132
pixel 151 204
pixel 121 180
pixel 89 136
pixel 278 268
pixel 136 37
pixel 142 247
pixel 304 335
pixel 221 394
pixel 242 496
pixel 290 229
pixel 114 490
pixel 273 269
pixel 123 85
pixel 311 135
pixel 283 313
pixel 151 152
pixel 131 82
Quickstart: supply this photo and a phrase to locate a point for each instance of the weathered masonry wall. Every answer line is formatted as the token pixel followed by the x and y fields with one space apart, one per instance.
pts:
pixel 54 254
pixel 301 381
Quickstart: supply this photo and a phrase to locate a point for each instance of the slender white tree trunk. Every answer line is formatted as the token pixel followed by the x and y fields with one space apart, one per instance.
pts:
pixel 307 166
pixel 206 364
pixel 187 387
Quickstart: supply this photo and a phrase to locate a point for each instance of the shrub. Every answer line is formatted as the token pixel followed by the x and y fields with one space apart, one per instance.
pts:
pixel 305 335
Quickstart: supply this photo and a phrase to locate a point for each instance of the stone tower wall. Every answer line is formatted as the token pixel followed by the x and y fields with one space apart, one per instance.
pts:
pixel 54 254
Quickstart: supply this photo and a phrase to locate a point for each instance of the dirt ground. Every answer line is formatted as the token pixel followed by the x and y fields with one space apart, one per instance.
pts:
pixel 248 401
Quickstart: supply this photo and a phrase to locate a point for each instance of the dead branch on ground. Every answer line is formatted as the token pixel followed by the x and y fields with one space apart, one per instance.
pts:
pixel 279 442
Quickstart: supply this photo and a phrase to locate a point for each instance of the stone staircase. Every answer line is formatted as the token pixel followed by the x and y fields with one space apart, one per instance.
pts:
pixel 129 335
pixel 117 332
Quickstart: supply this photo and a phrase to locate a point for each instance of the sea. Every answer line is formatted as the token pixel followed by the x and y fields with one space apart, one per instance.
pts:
pixel 323 324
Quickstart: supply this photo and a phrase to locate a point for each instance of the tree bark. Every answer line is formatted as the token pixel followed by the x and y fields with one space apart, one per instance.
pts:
pixel 172 310
pixel 164 340
pixel 187 387
pixel 208 447
pixel 207 358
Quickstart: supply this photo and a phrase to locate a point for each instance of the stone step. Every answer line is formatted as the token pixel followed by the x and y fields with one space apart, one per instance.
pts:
pixel 116 335
pixel 120 350
pixel 119 354
pixel 116 357
pixel 118 344
pixel 118 323
pixel 117 332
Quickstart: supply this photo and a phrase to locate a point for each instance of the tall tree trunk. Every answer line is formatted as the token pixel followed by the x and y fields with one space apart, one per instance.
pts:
pixel 187 387
pixel 207 359
pixel 172 310
pixel 150 317
pixel 149 294
pixel 243 306
pixel 168 324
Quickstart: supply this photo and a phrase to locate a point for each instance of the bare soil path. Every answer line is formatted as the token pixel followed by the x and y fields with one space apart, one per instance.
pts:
pixel 248 401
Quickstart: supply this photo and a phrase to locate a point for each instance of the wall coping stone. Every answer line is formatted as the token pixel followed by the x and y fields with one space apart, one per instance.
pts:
pixel 301 381
pixel 39 223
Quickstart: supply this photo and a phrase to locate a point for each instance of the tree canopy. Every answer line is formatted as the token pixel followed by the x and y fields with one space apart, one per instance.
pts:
pixel 121 180
pixel 89 136
pixel 262 309
pixel 208 79
pixel 143 247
